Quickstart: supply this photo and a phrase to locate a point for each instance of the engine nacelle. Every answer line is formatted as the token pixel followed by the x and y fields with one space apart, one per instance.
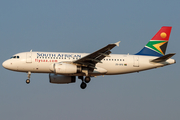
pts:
pixel 61 79
pixel 65 68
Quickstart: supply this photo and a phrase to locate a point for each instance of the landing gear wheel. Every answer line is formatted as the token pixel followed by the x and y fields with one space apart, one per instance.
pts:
pixel 83 85
pixel 27 81
pixel 29 75
pixel 87 79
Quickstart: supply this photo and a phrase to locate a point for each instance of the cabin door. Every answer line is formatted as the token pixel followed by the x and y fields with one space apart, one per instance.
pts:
pixel 29 57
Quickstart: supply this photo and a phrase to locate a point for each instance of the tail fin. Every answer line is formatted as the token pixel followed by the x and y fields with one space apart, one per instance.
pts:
pixel 157 45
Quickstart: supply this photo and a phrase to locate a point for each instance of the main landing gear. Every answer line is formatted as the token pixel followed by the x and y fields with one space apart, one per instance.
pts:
pixel 29 75
pixel 84 81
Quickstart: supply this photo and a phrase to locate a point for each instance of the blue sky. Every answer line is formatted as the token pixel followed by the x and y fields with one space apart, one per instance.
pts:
pixel 86 26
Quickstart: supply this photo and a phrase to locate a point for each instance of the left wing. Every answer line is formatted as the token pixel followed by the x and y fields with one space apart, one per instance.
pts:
pixel 92 59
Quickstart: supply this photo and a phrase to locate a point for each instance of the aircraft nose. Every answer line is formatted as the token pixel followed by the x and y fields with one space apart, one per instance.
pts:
pixel 5 64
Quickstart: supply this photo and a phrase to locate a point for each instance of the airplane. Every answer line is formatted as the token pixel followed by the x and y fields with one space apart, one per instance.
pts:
pixel 64 67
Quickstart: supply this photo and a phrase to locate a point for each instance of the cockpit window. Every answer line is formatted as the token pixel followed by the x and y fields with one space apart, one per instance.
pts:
pixel 15 57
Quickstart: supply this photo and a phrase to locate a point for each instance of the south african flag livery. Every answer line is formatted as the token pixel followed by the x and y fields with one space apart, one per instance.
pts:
pixel 157 45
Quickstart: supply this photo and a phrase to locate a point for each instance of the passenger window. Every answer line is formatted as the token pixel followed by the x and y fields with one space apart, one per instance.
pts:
pixel 18 57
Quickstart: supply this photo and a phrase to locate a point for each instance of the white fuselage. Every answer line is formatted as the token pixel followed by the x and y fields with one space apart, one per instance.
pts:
pixel 41 62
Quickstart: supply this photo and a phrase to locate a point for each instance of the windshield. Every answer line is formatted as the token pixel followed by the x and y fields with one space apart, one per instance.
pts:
pixel 15 57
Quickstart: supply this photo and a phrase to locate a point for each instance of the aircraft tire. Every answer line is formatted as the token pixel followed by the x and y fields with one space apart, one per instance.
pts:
pixel 83 85
pixel 87 79
pixel 28 81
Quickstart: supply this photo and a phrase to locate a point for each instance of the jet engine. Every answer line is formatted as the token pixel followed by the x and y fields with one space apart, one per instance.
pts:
pixel 65 68
pixel 61 79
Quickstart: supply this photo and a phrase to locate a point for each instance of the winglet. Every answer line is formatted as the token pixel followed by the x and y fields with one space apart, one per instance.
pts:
pixel 117 44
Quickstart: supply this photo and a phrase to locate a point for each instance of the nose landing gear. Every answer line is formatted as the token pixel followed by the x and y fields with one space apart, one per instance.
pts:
pixel 29 75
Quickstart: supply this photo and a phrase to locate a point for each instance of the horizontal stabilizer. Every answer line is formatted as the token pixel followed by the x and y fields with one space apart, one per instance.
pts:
pixel 163 58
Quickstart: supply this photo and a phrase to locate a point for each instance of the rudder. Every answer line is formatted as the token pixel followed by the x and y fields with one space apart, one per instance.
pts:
pixel 158 44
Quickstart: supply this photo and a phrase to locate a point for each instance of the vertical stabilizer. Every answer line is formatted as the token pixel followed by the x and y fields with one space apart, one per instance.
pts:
pixel 157 45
